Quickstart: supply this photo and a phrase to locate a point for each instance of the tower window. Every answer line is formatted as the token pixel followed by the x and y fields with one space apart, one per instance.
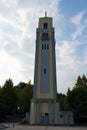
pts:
pixel 45 25
pixel 44 70
pixel 47 46
pixel 45 36
pixel 42 46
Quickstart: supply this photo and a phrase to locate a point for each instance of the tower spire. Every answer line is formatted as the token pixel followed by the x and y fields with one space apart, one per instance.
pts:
pixel 45 13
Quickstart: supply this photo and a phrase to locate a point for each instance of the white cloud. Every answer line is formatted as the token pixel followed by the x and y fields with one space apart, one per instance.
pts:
pixel 18 20
pixel 66 65
pixel 9 67
pixel 77 19
pixel 69 62
pixel 69 66
pixel 80 24
pixel 78 32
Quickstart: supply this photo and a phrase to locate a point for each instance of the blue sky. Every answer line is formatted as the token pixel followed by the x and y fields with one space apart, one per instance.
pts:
pixel 18 23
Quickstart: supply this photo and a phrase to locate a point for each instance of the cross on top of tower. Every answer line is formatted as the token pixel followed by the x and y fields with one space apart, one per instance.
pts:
pixel 45 13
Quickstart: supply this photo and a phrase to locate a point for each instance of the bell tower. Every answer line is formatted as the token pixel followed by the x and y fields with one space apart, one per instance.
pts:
pixel 45 89
pixel 45 65
pixel 44 106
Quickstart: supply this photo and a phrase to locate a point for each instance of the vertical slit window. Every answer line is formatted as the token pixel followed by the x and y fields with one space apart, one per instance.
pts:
pixel 47 46
pixel 44 70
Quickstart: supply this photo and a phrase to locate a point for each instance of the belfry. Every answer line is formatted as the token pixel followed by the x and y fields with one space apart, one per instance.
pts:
pixel 44 105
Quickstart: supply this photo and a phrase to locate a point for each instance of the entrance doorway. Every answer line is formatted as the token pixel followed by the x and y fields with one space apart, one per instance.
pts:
pixel 44 119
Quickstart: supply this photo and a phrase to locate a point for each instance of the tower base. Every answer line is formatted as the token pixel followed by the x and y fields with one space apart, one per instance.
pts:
pixel 46 112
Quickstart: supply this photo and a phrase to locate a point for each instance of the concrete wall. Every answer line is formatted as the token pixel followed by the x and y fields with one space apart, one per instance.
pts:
pixel 44 112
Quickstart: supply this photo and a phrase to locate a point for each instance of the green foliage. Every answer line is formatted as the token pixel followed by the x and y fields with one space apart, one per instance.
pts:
pixel 0 88
pixel 63 101
pixel 8 97
pixel 8 84
pixel 68 92
pixel 81 81
pixel 84 79
pixel 12 97
pixel 77 98
pixel 25 98
pixel 20 87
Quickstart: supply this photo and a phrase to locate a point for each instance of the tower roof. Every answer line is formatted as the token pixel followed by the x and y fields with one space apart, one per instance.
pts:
pixel 45 19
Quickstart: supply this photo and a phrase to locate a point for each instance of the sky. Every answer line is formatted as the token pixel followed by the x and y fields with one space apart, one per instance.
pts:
pixel 18 23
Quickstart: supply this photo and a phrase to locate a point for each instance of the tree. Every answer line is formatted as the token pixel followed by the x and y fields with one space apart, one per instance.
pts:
pixel 20 87
pixel 77 99
pixel 8 84
pixel 79 82
pixel 84 79
pixel 62 100
pixel 68 92
pixel 0 88
pixel 8 97
pixel 25 98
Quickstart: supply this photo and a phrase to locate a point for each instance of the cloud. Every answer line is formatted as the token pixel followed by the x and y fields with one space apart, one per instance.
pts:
pixel 78 32
pixel 78 20
pixel 72 54
pixel 70 64
pixel 9 67
pixel 66 65
pixel 18 23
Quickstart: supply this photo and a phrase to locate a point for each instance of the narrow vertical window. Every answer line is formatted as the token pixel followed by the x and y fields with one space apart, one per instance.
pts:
pixel 44 70
pixel 47 46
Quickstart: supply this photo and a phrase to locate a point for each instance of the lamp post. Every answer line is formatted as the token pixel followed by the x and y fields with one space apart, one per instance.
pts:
pixel 14 118
pixel 14 114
